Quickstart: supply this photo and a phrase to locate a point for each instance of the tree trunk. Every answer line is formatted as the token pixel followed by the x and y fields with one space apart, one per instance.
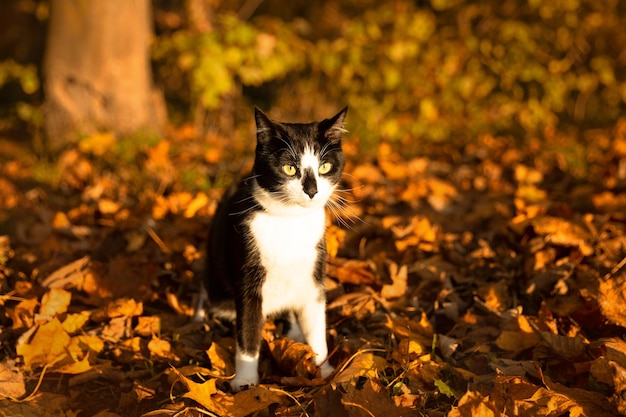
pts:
pixel 97 70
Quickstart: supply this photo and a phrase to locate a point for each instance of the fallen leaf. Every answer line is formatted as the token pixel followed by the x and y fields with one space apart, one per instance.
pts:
pixel 364 364
pixel 293 358
pixel 55 301
pixel 46 347
pixel 399 277
pixel 202 393
pixel 474 404
pixel 252 400
pixel 12 378
pixel 148 325
pixel 69 276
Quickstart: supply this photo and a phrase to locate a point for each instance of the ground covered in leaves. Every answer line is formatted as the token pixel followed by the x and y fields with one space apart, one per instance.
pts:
pixel 477 280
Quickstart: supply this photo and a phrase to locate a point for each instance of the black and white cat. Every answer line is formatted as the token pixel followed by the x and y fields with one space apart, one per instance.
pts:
pixel 267 253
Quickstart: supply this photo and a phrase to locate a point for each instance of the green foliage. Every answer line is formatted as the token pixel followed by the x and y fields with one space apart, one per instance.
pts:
pixel 461 67
pixel 238 53
pixel 450 69
pixel 26 75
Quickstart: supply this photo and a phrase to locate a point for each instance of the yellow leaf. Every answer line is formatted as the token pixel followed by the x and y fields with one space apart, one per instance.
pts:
pixel 97 144
pixel 148 325
pixel 55 301
pixel 161 349
pixel 201 200
pixel 364 364
pixel 106 206
pixel 250 401
pixel 23 313
pixel 399 276
pixel 202 393
pixel 77 367
pixel 46 347
pixel 221 360
pixel 74 322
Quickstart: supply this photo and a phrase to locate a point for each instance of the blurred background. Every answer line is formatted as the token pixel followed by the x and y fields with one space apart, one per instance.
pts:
pixel 413 72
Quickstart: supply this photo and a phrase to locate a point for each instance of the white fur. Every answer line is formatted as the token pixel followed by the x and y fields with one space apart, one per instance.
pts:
pixel 286 233
pixel 247 372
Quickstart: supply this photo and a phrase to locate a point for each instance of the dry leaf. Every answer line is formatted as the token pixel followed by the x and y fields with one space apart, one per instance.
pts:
pixel 372 399
pixel 202 393
pixel 162 349
pixel 55 301
pixel 23 313
pixel 12 378
pixel 474 404
pixel 352 271
pixel 148 325
pixel 221 360
pixel 293 358
pixel 46 347
pixel 69 276
pixel 363 364
pixel 252 400
pixel 399 277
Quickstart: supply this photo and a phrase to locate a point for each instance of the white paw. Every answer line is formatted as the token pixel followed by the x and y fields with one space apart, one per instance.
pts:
pixel 239 382
pixel 246 370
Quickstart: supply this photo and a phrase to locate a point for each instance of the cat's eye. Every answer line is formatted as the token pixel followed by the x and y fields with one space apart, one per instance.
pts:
pixel 289 170
pixel 325 168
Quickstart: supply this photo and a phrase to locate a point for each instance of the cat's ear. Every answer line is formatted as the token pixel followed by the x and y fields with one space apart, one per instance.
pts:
pixel 264 125
pixel 333 127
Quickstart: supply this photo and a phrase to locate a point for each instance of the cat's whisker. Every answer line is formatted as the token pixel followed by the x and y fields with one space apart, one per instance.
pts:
pixel 290 147
pixel 344 216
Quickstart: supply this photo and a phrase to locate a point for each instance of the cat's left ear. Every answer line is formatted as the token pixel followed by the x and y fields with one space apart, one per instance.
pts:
pixel 333 127
pixel 264 125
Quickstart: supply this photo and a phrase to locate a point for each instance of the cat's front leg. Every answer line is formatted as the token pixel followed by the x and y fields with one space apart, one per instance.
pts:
pixel 249 333
pixel 312 320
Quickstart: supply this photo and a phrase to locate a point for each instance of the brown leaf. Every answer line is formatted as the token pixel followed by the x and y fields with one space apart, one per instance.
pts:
pixel 252 400
pixel 293 358
pixel 12 378
pixel 352 271
pixel 612 298
pixel 23 313
pixel 358 304
pixel 372 399
pixel 69 276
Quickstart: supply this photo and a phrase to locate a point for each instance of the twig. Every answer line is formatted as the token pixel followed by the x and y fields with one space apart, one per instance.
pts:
pixel 615 269
pixel 290 396
pixel 345 365
pixel 357 406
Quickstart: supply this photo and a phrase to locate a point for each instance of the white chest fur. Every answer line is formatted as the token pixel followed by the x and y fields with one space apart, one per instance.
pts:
pixel 287 246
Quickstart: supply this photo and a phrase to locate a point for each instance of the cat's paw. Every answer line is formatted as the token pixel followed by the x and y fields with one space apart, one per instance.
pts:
pixel 241 381
pixel 326 370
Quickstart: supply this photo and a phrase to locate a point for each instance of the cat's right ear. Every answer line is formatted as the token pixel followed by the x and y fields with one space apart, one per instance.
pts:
pixel 264 125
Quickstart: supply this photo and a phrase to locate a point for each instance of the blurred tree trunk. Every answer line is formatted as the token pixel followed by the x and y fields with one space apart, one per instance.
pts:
pixel 97 71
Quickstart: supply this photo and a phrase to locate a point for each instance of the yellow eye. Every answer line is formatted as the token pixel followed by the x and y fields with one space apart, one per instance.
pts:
pixel 325 168
pixel 289 170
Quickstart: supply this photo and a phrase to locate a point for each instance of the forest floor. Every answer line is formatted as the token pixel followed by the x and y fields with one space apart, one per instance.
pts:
pixel 478 280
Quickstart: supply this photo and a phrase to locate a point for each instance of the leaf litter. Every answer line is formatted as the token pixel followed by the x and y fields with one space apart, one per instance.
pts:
pixel 482 280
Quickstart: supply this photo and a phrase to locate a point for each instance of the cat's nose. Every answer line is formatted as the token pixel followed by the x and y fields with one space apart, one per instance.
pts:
pixel 309 185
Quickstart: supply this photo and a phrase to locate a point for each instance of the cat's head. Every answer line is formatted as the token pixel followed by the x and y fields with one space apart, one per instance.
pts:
pixel 298 164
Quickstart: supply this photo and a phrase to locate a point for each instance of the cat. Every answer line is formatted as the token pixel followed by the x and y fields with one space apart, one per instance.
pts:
pixel 267 253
